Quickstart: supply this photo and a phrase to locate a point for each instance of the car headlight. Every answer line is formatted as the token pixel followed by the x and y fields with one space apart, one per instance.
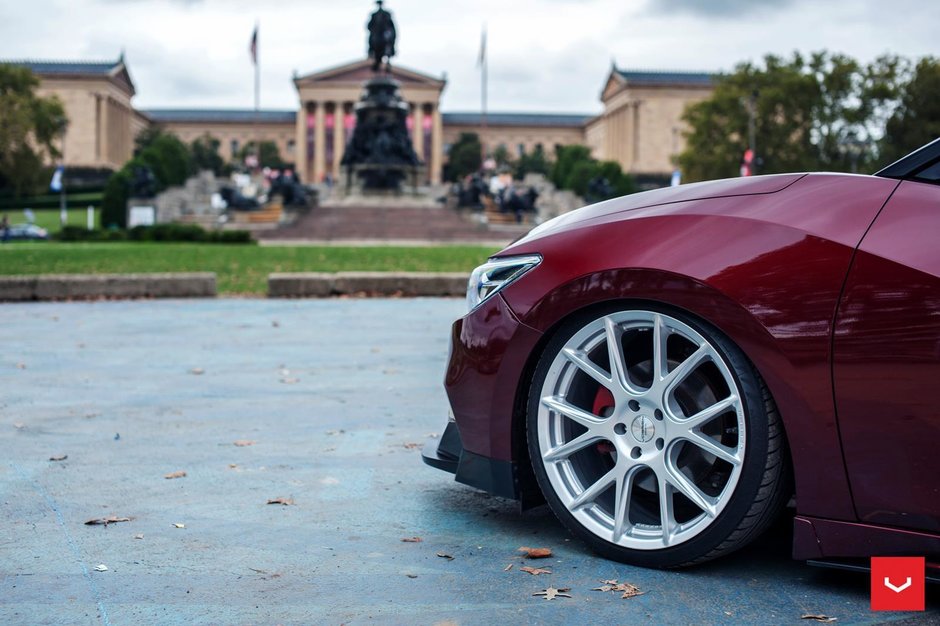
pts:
pixel 495 274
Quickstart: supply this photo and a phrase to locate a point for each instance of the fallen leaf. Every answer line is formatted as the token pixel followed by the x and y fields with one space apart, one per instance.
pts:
pixel 825 619
pixel 551 593
pixel 101 568
pixel 59 457
pixel 179 474
pixel 179 525
pixel 284 501
pixel 411 446
pixel 507 568
pixel 104 521
pixel 197 371
pixel 241 443
pixel 628 590
pixel 535 553
pixel 290 381
pixel 232 465
pixel 411 539
pixel 139 536
pixel 535 571
pixel 444 555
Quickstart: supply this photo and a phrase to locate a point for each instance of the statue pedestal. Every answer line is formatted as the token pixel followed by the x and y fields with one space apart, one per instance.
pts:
pixel 379 157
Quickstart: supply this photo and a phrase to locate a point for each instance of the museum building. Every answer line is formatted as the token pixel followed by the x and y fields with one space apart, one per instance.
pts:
pixel 640 126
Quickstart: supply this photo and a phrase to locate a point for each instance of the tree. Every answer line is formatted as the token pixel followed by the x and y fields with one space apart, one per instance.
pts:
pixel 566 157
pixel 465 155
pixel 807 113
pixel 268 154
pixel 164 154
pixel 916 120
pixel 205 154
pixel 535 162
pixel 501 155
pixel 29 126
pixel 576 169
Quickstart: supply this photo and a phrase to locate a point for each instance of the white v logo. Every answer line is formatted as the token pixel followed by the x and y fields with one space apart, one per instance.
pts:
pixel 897 589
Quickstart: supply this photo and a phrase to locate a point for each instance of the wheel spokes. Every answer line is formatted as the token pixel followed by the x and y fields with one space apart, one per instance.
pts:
pixel 618 366
pixel 667 515
pixel 683 485
pixel 695 422
pixel 675 378
pixel 600 486
pixel 660 370
pixel 660 350
pixel 706 443
pixel 568 448
pixel 585 418
pixel 580 358
pixel 622 495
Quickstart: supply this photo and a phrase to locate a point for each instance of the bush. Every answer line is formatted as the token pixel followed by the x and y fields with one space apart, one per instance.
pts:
pixel 114 199
pixel 159 232
pixel 79 233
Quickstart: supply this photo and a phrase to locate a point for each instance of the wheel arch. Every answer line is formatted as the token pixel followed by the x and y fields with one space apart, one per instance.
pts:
pixel 702 303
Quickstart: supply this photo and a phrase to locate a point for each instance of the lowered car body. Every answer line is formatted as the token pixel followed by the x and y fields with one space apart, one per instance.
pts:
pixel 822 288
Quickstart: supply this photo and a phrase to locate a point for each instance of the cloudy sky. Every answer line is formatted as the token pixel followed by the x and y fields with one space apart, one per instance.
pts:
pixel 544 55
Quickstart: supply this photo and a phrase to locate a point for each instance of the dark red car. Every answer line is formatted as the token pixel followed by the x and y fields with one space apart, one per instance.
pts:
pixel 668 369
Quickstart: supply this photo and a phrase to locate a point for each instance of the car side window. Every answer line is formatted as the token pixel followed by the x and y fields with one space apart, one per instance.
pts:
pixel 930 174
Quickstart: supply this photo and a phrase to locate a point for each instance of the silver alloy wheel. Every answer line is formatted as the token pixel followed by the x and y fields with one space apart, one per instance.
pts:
pixel 658 466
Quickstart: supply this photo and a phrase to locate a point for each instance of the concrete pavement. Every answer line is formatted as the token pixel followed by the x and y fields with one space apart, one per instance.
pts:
pixel 334 395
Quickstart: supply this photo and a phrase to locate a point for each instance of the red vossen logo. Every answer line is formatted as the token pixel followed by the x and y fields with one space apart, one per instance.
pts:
pixel 897 583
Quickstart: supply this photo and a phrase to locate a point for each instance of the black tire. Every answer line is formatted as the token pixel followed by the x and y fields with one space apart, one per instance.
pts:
pixel 764 485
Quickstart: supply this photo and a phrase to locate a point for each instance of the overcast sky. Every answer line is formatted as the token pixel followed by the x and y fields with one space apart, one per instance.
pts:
pixel 544 55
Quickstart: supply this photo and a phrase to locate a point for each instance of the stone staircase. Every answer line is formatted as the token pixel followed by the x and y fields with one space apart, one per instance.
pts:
pixel 391 224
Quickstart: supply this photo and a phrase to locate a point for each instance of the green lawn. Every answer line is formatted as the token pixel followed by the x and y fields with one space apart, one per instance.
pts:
pixel 49 218
pixel 241 269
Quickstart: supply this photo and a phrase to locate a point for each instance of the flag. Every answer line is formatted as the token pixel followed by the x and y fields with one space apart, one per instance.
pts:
pixel 254 46
pixel 482 59
pixel 56 183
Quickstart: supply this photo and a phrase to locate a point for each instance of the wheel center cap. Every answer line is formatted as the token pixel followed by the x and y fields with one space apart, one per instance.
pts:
pixel 643 429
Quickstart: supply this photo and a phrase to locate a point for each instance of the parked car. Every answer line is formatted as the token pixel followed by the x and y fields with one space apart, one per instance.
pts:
pixel 669 368
pixel 26 231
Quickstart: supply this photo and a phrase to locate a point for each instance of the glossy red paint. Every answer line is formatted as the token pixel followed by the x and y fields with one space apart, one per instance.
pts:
pixel 764 260
pixel 887 364
pixel 765 269
pixel 482 376
pixel 838 539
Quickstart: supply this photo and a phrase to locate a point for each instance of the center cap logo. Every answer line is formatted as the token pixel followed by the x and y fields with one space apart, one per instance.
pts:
pixel 642 429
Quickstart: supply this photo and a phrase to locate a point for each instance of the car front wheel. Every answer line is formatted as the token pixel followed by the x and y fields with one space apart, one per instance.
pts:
pixel 653 438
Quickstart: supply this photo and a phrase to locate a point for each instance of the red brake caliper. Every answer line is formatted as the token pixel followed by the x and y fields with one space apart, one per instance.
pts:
pixel 603 405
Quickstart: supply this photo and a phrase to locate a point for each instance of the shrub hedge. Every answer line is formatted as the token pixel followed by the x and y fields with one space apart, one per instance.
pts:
pixel 159 232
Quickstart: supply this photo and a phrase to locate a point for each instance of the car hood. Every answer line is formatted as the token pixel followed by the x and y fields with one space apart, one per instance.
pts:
pixel 728 187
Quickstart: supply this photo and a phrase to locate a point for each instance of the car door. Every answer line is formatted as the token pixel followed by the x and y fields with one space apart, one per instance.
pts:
pixel 886 363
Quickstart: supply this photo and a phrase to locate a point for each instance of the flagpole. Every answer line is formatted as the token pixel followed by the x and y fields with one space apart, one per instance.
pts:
pixel 257 99
pixel 483 85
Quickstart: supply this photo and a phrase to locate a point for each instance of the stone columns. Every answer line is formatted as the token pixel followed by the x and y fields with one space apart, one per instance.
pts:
pixel 300 143
pixel 319 149
pixel 339 138
pixel 437 146
pixel 417 136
